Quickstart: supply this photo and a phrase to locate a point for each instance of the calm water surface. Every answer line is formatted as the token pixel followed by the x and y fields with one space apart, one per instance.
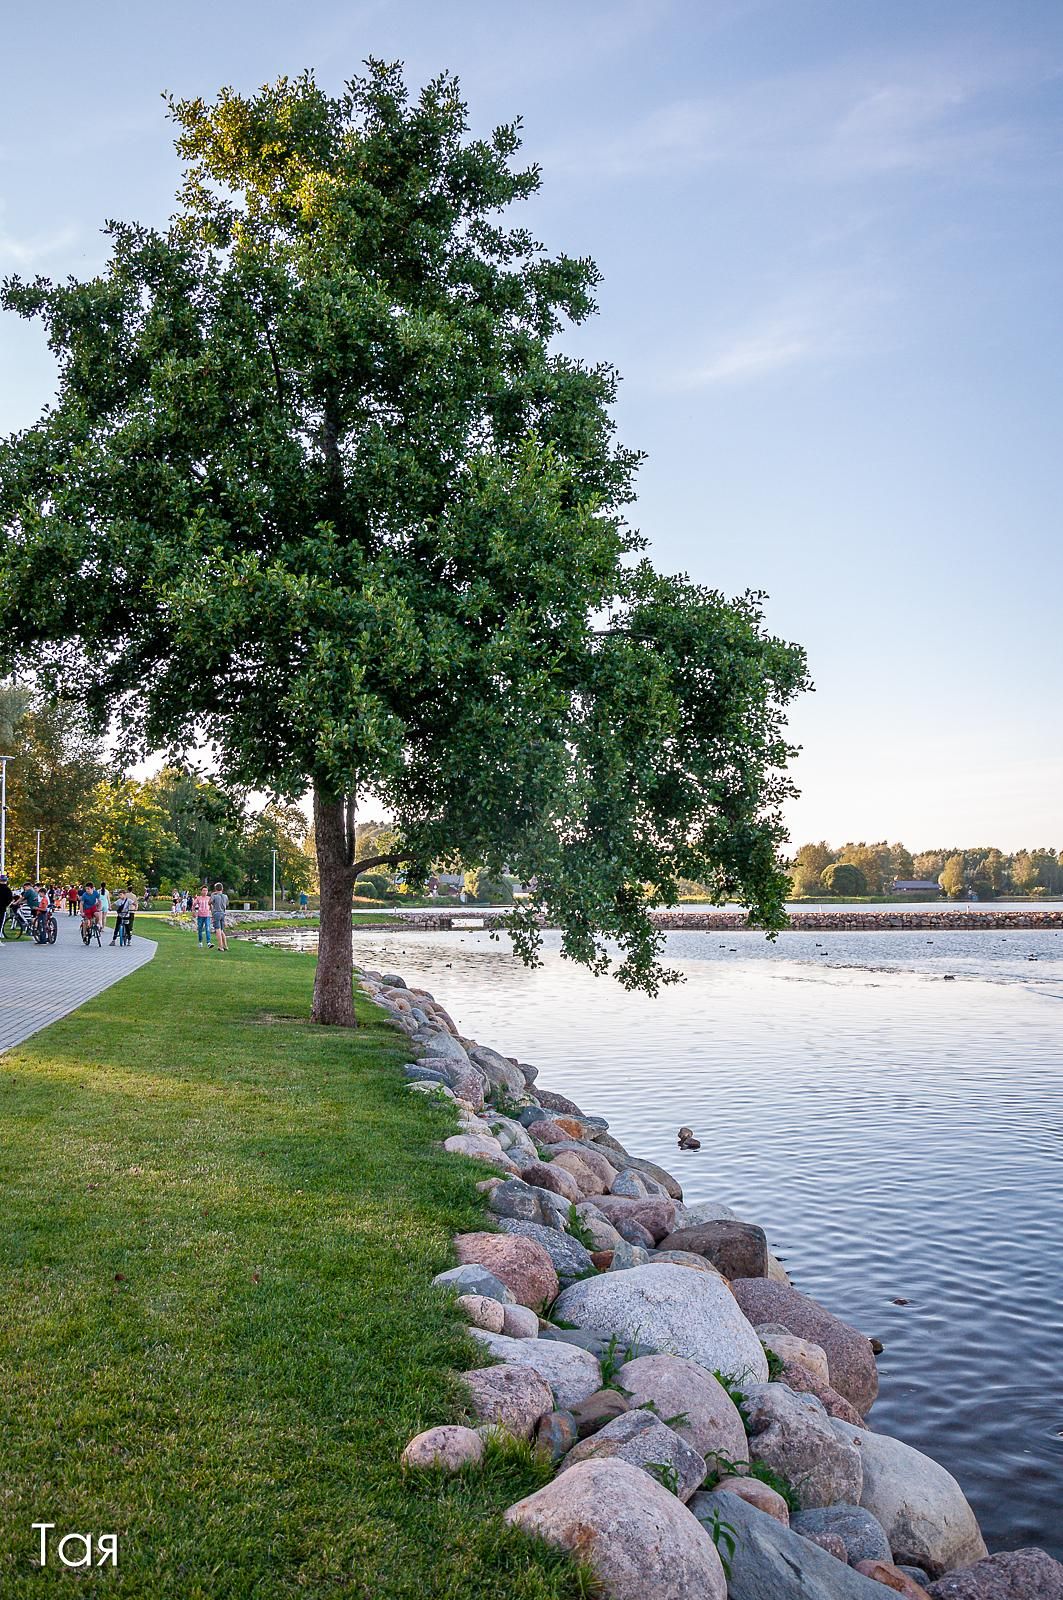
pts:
pixel 899 1135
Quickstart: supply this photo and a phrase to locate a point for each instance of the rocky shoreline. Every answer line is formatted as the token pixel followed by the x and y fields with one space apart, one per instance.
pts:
pixel 706 1420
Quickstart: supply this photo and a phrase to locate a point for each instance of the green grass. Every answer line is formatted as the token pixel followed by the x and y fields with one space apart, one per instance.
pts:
pixel 217 1329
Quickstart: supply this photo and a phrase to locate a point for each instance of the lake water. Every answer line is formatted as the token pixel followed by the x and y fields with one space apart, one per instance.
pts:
pixel 889 1106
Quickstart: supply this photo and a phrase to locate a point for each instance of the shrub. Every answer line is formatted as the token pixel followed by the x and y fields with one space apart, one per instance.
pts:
pixel 843 879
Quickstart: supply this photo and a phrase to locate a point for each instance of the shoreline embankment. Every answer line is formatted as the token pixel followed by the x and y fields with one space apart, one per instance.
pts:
pixel 706 1421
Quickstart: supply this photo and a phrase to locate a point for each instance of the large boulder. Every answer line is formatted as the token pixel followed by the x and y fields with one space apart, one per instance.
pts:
pixel 771 1562
pixel 643 1439
pixel 656 1216
pixel 792 1434
pixel 706 1416
pixel 573 1374
pixel 500 1073
pixel 863 1535
pixel 921 1506
pixel 517 1199
pixel 649 1169
pixel 548 1175
pixel 570 1258
pixel 677 1311
pixel 638 1539
pixel 521 1264
pixel 509 1397
pixel 1027 1574
pixel 581 1173
pixel 737 1249
pixel 849 1355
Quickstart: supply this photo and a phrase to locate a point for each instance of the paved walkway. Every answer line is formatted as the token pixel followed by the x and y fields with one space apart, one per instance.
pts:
pixel 41 983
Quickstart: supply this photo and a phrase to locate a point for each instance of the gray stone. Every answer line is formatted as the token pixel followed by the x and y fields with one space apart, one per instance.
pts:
pixel 638 1539
pixel 629 1183
pixel 510 1134
pixel 391 980
pixel 628 1255
pixel 516 1199
pixel 473 1279
pixel 771 1562
pixel 518 1322
pixel 509 1397
pixel 849 1356
pixel 418 1074
pixel 573 1374
pixel 1027 1574
pixel 500 1073
pixel 678 1311
pixel 921 1506
pixel 862 1534
pixel 650 1169
pixel 643 1439
pixel 634 1233
pixel 692 1402
pixel 737 1249
pixel 792 1434
pixel 571 1259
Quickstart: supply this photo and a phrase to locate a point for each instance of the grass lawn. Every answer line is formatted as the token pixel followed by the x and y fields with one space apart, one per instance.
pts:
pixel 217 1329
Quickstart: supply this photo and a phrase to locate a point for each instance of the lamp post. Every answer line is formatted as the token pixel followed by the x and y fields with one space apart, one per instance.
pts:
pixel 274 880
pixel 3 811
pixel 38 832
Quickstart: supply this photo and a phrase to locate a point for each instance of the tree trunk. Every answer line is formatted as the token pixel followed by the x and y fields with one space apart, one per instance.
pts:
pixel 334 978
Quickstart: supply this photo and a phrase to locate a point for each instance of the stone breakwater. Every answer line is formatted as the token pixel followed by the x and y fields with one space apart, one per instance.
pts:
pixel 706 1421
pixel 839 921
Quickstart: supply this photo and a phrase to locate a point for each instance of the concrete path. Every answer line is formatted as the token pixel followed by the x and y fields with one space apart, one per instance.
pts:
pixel 41 983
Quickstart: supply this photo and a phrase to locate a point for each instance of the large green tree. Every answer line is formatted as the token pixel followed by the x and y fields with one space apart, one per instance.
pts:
pixel 316 443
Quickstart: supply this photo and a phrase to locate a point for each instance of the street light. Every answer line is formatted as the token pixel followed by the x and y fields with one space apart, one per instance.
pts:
pixel 3 811
pixel 274 880
pixel 38 832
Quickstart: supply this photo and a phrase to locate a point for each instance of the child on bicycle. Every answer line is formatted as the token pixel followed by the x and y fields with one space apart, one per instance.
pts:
pixel 90 905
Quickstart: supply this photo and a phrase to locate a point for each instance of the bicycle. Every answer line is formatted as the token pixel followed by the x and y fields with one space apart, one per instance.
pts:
pixel 90 929
pixel 19 921
pixel 46 930
pixel 123 931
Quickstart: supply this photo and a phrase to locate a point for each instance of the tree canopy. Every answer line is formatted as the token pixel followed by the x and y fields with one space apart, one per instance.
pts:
pixel 359 521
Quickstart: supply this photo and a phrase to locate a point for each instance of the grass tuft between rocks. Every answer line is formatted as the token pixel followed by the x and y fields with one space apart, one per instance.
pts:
pixel 217 1325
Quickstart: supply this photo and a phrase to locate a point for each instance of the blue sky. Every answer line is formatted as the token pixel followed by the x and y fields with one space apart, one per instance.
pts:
pixel 831 238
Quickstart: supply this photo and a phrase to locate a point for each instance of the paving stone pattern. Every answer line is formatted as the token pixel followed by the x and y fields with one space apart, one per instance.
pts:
pixel 41 983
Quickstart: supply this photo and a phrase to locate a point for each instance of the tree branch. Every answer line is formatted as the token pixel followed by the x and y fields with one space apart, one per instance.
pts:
pixel 369 862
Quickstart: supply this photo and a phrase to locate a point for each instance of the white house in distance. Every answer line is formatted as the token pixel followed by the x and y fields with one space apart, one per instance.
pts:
pixel 915 886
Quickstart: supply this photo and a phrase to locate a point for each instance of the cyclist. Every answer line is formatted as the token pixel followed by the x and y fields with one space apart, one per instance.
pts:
pixel 90 905
pixel 41 913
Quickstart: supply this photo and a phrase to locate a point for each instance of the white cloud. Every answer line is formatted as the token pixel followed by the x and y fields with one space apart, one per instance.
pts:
pixel 852 120
pixel 31 250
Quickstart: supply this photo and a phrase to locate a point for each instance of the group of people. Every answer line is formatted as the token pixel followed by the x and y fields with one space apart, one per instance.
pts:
pixel 208 906
pixel 34 901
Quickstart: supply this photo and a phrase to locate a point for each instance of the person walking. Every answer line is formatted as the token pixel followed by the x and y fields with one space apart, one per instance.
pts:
pixel 201 907
pixel 6 897
pixel 219 905
pixel 72 901
pixel 105 906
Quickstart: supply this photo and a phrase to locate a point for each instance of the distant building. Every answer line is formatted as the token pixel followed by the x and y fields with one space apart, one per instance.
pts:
pixel 916 886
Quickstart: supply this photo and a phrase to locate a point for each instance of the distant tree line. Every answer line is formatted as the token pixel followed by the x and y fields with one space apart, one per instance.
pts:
pixel 872 869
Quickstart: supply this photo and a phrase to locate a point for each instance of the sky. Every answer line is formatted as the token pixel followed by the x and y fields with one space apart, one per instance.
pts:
pixel 830 233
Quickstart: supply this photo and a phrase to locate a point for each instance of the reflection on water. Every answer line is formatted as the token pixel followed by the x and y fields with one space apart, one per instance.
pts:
pixel 897 1134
